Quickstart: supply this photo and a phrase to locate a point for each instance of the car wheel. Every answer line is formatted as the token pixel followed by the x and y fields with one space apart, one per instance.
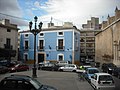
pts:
pixel 61 70
pixel 74 70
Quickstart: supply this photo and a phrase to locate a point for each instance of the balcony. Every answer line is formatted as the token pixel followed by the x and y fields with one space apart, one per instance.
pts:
pixel 40 48
pixel 60 48
pixel 6 46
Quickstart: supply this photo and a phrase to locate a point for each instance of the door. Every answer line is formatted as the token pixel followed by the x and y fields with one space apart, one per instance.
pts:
pixel 41 57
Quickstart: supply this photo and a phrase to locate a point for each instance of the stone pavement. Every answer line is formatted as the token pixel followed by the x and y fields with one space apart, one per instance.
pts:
pixel 60 80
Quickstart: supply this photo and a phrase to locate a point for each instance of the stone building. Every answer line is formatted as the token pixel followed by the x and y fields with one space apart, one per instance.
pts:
pixel 8 40
pixel 87 38
pixel 108 40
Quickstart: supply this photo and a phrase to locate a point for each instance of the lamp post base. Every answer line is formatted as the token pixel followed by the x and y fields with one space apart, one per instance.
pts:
pixel 34 72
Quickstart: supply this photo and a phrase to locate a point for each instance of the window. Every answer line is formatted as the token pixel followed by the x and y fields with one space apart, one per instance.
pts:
pixel 7 45
pixel 25 57
pixel 9 85
pixel 41 45
pixel 60 44
pixel 76 45
pixel 41 34
pixel 60 33
pixel 26 35
pixel 8 40
pixel 8 30
pixel 26 45
pixel 60 57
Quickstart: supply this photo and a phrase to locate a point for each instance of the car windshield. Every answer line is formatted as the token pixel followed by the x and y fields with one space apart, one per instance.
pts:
pixel 111 65
pixel 105 78
pixel 17 65
pixel 35 83
pixel 92 71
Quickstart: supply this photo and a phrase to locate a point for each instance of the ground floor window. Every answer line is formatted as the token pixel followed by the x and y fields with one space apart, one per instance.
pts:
pixel 60 57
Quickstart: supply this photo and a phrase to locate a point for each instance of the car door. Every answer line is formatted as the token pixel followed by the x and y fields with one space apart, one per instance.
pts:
pixel 94 80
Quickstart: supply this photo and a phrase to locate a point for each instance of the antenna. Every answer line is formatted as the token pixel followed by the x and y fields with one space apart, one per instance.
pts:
pixel 51 20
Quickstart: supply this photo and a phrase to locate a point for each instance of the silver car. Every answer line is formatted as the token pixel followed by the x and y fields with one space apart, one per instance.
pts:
pixel 102 80
pixel 68 67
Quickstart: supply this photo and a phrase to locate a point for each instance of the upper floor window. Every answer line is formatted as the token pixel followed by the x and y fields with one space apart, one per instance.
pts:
pixel 26 44
pixel 8 44
pixel 26 35
pixel 8 30
pixel 76 45
pixel 41 34
pixel 41 45
pixel 25 56
pixel 60 33
pixel 60 45
pixel 8 40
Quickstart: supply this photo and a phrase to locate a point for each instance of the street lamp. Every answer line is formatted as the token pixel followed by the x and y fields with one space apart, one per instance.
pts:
pixel 35 31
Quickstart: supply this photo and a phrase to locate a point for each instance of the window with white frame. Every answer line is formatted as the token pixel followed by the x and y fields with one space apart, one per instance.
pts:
pixel 26 44
pixel 60 57
pixel 76 45
pixel 60 33
pixel 41 45
pixel 25 56
pixel 26 35
pixel 60 44
pixel 41 34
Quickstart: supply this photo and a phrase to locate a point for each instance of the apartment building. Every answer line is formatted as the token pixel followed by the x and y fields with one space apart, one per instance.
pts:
pixel 87 39
pixel 8 40
pixel 108 40
pixel 55 43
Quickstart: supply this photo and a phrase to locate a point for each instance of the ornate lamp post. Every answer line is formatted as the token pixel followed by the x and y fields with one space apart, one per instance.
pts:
pixel 35 31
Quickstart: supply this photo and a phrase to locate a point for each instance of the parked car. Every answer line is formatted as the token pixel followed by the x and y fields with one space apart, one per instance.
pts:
pixel 19 67
pixel 116 72
pixel 102 80
pixel 48 66
pixel 90 72
pixel 68 67
pixel 5 63
pixel 3 69
pixel 84 67
pixel 8 63
pixel 22 82
pixel 108 67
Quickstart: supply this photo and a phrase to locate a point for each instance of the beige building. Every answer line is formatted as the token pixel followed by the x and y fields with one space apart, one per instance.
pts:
pixel 8 40
pixel 108 40
pixel 87 38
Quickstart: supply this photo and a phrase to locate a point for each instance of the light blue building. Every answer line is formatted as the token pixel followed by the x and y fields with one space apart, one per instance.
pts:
pixel 52 44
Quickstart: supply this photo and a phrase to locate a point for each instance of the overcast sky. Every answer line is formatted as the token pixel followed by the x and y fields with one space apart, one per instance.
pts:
pixel 76 11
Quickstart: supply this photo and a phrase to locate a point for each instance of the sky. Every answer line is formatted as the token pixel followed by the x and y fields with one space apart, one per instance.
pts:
pixel 21 12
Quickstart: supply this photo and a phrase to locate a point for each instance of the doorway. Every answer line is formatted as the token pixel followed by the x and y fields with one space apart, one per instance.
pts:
pixel 41 57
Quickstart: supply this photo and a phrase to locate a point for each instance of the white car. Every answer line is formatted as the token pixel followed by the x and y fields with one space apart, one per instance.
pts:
pixel 102 80
pixel 68 67
pixel 84 68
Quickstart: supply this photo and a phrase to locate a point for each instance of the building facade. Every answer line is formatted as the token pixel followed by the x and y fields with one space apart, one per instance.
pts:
pixel 87 39
pixel 52 44
pixel 8 40
pixel 108 40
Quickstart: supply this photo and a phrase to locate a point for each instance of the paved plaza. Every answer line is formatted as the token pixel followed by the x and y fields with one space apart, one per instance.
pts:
pixel 60 80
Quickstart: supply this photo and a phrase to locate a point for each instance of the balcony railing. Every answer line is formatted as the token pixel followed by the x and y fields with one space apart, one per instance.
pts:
pixel 40 48
pixel 8 46
pixel 60 48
